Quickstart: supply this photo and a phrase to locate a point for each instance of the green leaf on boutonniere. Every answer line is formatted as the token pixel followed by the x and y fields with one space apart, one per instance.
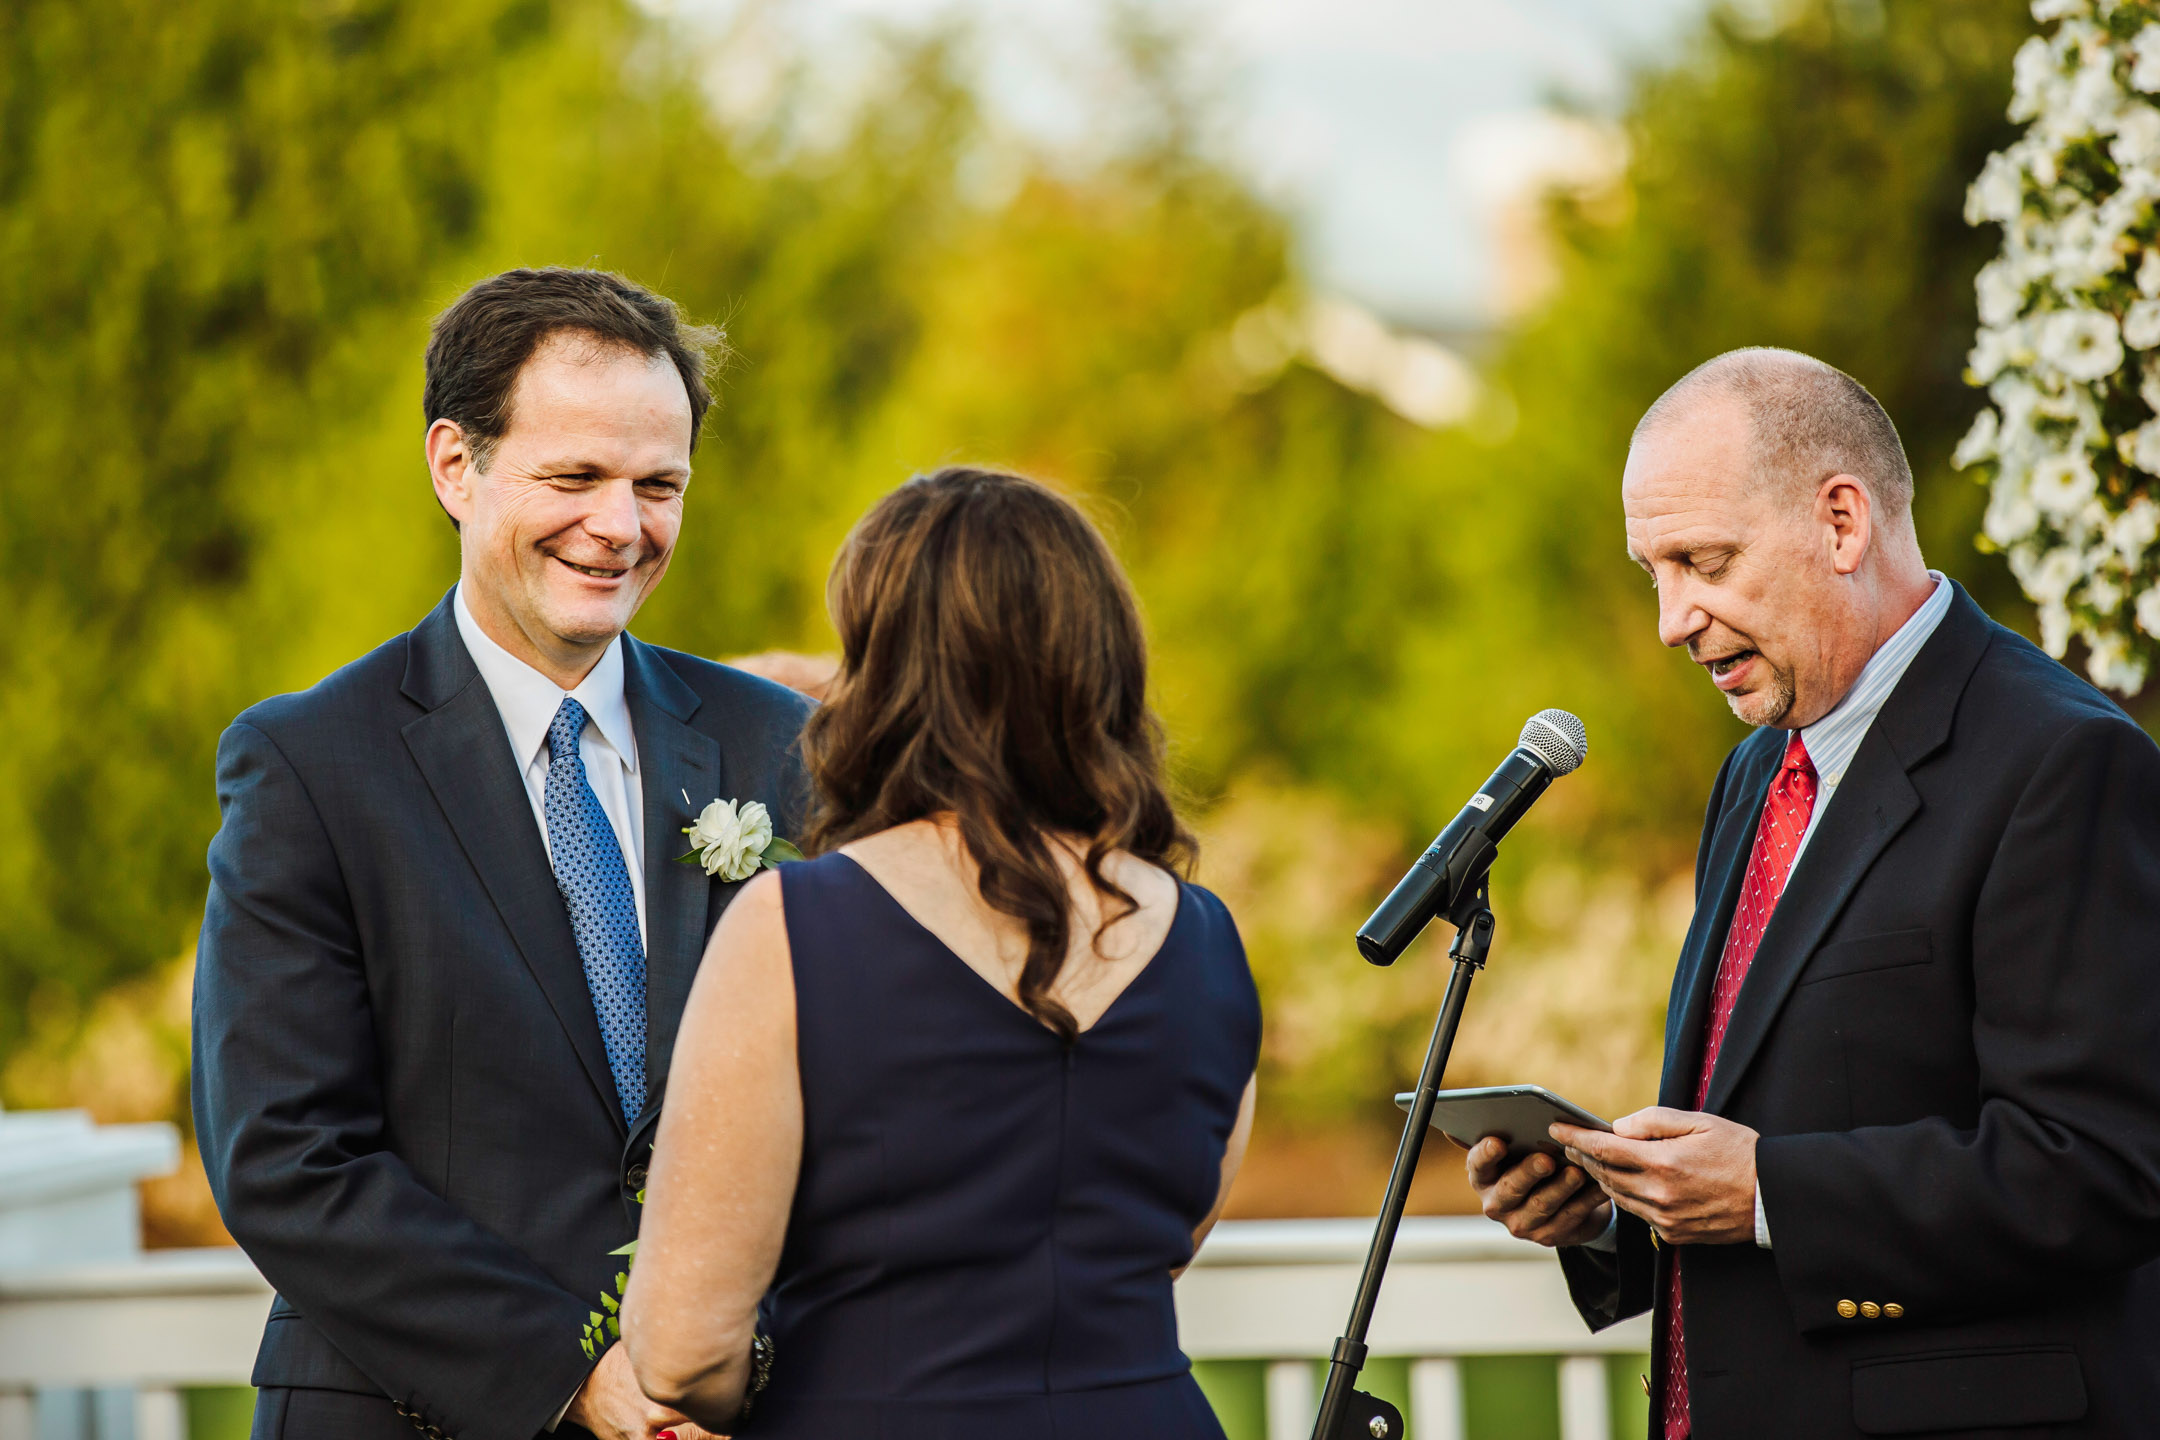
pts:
pixel 629 1249
pixel 780 851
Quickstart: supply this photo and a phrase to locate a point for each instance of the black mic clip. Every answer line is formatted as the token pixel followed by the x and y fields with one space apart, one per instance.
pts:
pixel 1472 918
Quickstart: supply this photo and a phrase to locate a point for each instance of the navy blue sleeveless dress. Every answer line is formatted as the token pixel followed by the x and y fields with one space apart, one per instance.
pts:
pixel 987 1218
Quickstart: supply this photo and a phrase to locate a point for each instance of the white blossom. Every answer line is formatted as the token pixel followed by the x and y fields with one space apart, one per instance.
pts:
pixel 2047 575
pixel 2145 60
pixel 2141 447
pixel 2054 627
pixel 2011 514
pixel 2137 136
pixel 1979 441
pixel 2111 663
pixel 2082 344
pixel 2059 347
pixel 2061 484
pixel 2141 324
pixel 2036 78
pixel 1994 350
pixel 731 842
pixel 1999 193
pixel 2133 532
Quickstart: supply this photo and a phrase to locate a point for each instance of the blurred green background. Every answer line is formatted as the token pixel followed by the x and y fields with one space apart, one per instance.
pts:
pixel 225 224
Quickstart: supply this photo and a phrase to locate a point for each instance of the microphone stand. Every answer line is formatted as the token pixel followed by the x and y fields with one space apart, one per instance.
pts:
pixel 1347 1413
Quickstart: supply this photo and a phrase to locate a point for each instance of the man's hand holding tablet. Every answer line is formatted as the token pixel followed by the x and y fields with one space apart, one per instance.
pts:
pixel 1538 1197
pixel 1517 1168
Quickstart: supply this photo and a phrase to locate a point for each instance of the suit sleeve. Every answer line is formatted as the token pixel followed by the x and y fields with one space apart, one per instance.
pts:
pixel 448 1318
pixel 1609 1286
pixel 2059 1181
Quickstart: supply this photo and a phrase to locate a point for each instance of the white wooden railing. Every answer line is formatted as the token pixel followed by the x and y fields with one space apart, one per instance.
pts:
pixel 1458 1286
pixel 98 1338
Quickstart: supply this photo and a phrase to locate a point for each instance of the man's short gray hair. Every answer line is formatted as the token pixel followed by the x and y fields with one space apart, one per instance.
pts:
pixel 1808 421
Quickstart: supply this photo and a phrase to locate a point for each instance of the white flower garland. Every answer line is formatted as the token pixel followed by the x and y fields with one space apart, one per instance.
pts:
pixel 2069 340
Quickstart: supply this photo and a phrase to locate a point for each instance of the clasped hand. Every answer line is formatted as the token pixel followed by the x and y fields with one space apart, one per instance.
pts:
pixel 613 1407
pixel 1690 1175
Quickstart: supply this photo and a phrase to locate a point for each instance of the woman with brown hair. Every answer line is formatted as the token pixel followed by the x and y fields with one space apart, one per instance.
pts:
pixel 959 1097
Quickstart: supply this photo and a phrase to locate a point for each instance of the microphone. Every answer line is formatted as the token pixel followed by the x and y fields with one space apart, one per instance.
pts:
pixel 1553 743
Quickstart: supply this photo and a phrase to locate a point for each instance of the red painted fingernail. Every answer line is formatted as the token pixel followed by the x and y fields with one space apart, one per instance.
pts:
pixel 665 1435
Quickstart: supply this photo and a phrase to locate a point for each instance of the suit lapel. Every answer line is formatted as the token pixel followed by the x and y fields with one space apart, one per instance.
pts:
pixel 674 760
pixel 465 757
pixel 1730 845
pixel 1874 801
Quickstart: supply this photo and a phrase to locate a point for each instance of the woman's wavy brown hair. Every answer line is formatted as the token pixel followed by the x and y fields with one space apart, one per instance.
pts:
pixel 993 668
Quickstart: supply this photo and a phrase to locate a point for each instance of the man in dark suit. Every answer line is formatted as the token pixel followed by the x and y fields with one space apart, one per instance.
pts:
pixel 448 940
pixel 1905 1172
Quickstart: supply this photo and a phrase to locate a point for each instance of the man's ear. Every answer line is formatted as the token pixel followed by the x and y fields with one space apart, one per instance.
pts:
pixel 1846 511
pixel 453 469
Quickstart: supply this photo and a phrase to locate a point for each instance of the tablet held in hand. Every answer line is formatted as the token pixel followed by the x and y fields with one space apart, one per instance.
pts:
pixel 1519 1114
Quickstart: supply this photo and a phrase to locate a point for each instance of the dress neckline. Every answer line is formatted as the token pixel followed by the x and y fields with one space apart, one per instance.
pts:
pixel 1177 918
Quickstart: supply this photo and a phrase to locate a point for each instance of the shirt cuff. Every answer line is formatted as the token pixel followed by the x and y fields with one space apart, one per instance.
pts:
pixel 1610 1240
pixel 549 1429
pixel 1762 1221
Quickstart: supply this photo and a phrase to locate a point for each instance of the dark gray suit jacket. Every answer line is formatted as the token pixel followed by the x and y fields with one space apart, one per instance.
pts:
pixel 1949 1042
pixel 400 1090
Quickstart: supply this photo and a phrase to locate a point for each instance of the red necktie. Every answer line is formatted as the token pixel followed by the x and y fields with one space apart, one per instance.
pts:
pixel 1777 840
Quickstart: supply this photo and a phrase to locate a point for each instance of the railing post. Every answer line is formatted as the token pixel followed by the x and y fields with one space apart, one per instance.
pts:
pixel 160 1414
pixel 1436 1399
pixel 1292 1399
pixel 1585 1399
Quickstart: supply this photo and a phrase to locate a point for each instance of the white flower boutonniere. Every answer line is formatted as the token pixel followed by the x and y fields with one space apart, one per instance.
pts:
pixel 734 841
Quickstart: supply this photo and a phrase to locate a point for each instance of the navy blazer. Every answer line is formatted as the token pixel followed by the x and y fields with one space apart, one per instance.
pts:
pixel 400 1090
pixel 1949 1042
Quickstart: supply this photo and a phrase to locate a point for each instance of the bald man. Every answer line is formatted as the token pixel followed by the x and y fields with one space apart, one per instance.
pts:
pixel 1904 1175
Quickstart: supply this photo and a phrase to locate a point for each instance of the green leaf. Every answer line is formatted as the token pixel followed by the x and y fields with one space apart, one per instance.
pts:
pixel 612 1305
pixel 689 859
pixel 594 1319
pixel 587 1344
pixel 614 1331
pixel 779 851
pixel 622 1281
pixel 629 1249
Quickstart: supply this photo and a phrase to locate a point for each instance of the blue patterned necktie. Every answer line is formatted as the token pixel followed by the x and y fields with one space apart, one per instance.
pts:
pixel 595 884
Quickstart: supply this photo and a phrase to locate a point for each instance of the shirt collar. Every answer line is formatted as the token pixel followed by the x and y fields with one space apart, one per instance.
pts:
pixel 1833 740
pixel 528 700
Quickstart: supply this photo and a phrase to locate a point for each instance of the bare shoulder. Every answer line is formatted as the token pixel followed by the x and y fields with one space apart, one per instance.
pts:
pixel 1148 883
pixel 752 934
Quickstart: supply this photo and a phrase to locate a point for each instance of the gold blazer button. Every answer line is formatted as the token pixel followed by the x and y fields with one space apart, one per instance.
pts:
pixel 1870 1309
pixel 1847 1309
pixel 1893 1311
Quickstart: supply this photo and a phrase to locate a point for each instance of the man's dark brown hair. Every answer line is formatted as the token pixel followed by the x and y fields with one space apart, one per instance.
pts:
pixel 484 339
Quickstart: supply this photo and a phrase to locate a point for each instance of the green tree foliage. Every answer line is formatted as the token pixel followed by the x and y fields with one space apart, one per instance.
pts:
pixel 1798 185
pixel 226 223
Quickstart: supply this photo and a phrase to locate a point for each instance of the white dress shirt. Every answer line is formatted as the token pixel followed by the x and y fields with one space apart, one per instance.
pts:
pixel 527 701
pixel 1831 744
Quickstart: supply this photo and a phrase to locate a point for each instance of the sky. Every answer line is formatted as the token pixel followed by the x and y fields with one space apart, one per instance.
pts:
pixel 1393 130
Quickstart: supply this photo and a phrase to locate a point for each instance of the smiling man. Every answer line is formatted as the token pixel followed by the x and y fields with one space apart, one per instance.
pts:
pixel 1905 1172
pixel 447 941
